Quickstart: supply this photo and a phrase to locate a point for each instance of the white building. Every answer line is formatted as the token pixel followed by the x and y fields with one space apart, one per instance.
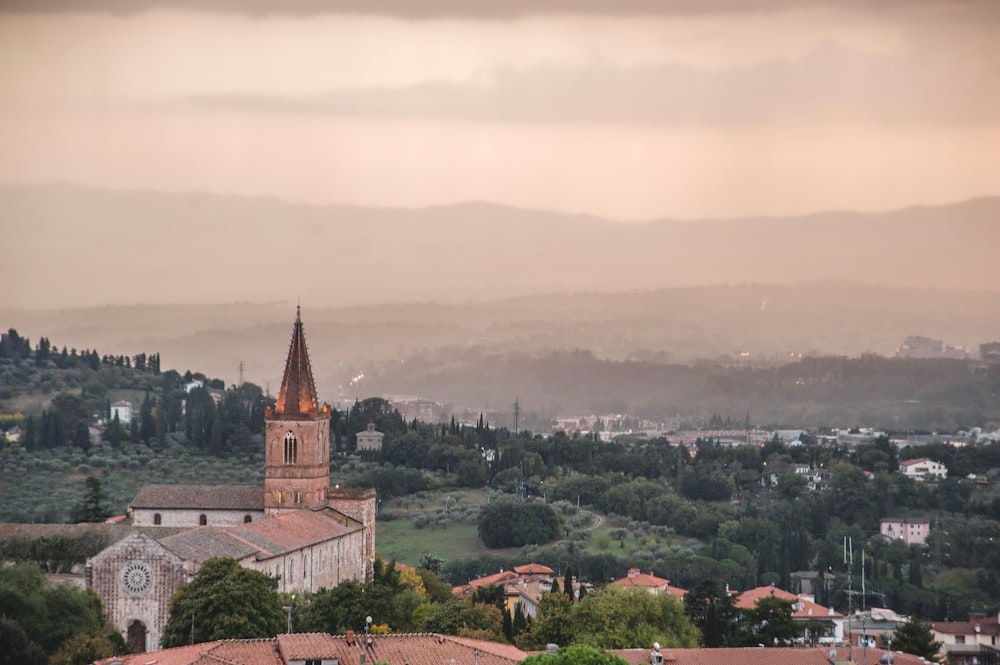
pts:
pixel 370 439
pixel 123 410
pixel 922 468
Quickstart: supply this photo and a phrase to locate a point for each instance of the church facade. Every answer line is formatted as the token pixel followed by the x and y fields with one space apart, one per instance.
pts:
pixel 295 527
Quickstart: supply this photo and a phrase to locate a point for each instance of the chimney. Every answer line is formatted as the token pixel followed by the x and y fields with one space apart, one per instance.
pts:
pixel 349 638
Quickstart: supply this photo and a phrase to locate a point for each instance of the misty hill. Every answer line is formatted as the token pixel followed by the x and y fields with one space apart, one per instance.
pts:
pixel 435 349
pixel 79 246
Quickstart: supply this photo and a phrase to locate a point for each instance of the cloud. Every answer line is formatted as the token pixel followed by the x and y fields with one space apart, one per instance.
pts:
pixel 486 9
pixel 830 83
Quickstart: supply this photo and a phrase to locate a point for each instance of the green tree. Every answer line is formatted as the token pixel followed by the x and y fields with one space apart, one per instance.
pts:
pixel 709 605
pixel 94 507
pixel 619 617
pixel 915 637
pixel 82 649
pixel 463 618
pixel 514 523
pixel 577 654
pixel 17 648
pixel 224 601
pixel 770 623
pixel 49 614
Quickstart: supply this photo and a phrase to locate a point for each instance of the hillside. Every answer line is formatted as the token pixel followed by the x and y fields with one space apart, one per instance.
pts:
pixel 148 247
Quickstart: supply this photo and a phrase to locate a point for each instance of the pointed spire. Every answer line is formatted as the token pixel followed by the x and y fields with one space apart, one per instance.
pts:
pixel 298 391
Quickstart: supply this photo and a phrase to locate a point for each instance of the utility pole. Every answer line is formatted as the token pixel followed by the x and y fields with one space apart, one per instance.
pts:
pixel 517 416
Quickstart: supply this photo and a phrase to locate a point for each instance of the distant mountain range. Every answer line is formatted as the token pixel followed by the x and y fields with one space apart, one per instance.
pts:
pixel 68 245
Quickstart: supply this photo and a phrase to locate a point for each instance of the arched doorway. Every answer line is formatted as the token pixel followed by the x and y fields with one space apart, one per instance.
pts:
pixel 136 637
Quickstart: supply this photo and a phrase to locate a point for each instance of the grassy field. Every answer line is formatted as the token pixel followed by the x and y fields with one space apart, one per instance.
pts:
pixel 402 541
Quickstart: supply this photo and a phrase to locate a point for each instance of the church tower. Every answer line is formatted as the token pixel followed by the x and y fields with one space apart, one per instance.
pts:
pixel 297 437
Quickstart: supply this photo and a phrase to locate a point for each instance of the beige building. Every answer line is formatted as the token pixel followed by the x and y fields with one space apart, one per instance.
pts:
pixel 295 527
pixel 370 439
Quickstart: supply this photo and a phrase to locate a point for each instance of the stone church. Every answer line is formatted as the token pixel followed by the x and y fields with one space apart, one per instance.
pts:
pixel 296 527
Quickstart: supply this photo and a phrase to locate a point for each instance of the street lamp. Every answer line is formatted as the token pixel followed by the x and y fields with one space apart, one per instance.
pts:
pixel 288 609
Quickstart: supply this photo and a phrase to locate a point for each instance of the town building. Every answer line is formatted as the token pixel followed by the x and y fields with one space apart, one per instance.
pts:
pixel 805 611
pixel 370 439
pixel 972 642
pixel 123 411
pixel 921 468
pixel 651 583
pixel 910 531
pixel 296 527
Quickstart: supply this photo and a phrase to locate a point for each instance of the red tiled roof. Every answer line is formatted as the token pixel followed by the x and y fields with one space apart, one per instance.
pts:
pixel 185 655
pixel 401 649
pixel 809 610
pixel 648 581
pixel 265 538
pixel 302 646
pixel 761 656
pixel 966 627
pixel 533 569
pixel 498 579
pixel 915 460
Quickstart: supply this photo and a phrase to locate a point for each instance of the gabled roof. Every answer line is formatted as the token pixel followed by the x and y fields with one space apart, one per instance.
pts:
pixel 808 609
pixel 966 627
pixel 533 569
pixel 503 577
pixel 297 397
pixel 915 460
pixel 649 581
pixel 200 497
pixel 264 538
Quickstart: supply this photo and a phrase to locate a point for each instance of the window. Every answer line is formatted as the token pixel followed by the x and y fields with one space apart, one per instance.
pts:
pixel 960 639
pixel 157 519
pixel 202 520
pixel 278 496
pixel 298 497
pixel 247 519
pixel 291 448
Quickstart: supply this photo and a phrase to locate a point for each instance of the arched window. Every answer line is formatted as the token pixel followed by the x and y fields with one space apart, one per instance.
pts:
pixel 157 520
pixel 291 448
pixel 202 520
pixel 246 519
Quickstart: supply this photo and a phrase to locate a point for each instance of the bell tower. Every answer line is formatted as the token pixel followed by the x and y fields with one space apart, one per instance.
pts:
pixel 297 436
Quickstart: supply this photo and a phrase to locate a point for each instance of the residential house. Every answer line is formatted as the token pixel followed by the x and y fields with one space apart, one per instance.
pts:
pixel 370 439
pixel 805 610
pixel 921 468
pixel 651 583
pixel 969 642
pixel 910 531
pixel 123 410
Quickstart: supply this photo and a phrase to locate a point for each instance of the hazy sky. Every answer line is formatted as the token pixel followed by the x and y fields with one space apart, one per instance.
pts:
pixel 630 109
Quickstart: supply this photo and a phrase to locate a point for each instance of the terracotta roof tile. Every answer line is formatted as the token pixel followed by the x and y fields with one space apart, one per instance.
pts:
pixel 809 608
pixel 761 656
pixel 533 569
pixel 203 543
pixel 195 497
